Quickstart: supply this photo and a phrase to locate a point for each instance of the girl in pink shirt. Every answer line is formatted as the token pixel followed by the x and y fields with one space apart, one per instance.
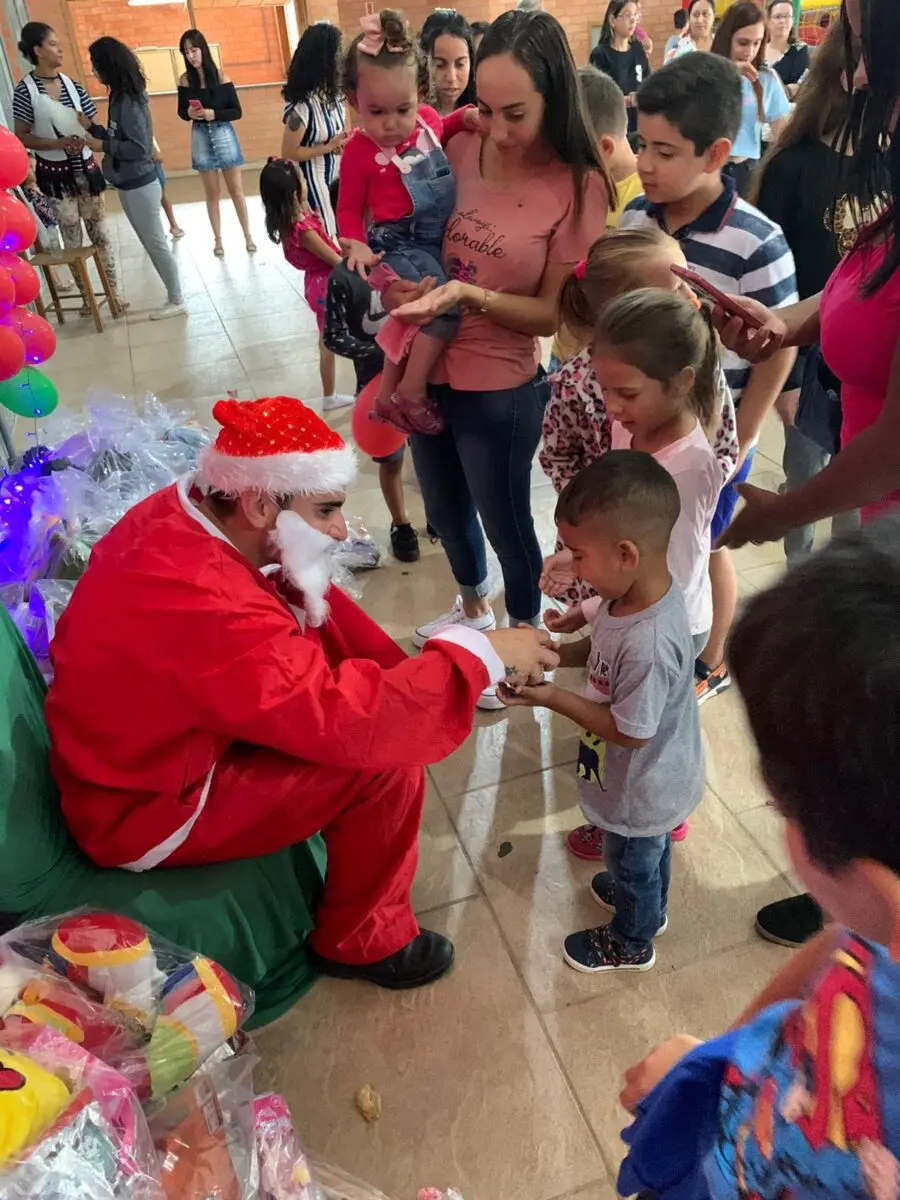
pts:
pixel 293 225
pixel 396 194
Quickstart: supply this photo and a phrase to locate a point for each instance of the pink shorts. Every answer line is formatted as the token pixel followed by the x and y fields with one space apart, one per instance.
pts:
pixel 315 289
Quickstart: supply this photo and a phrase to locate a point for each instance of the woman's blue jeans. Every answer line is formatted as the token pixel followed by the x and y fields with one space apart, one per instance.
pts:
pixel 480 466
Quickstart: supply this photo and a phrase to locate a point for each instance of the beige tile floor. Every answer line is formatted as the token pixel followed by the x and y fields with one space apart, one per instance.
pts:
pixel 501 1080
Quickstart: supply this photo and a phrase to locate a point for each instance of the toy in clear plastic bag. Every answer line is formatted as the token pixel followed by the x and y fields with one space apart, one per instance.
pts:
pixel 203 1133
pixel 151 1009
pixel 358 551
pixel 78 1132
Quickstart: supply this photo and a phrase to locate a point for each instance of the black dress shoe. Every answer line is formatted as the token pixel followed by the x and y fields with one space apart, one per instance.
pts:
pixel 790 922
pixel 423 960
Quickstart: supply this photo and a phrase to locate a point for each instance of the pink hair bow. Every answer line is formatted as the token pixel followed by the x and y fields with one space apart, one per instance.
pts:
pixel 372 38
pixel 580 268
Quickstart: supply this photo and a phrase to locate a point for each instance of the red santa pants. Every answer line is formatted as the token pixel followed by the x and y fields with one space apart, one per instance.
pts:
pixel 261 801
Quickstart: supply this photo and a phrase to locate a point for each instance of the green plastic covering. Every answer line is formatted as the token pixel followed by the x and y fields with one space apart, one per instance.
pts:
pixel 252 916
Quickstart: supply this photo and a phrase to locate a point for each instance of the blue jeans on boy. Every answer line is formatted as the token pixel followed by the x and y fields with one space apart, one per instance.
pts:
pixel 641 868
pixel 481 466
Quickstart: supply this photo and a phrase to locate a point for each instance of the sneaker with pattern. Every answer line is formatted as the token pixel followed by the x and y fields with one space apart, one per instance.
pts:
pixel 710 681
pixel 592 951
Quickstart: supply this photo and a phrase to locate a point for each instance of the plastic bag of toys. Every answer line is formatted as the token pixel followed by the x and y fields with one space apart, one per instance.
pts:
pixel 358 551
pixel 153 1011
pixel 204 1135
pixel 71 1127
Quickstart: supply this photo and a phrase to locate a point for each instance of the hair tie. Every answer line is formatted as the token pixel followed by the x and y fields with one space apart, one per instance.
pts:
pixel 580 268
pixel 276 158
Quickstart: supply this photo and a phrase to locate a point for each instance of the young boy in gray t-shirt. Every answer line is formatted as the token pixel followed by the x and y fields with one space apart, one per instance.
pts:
pixel 640 766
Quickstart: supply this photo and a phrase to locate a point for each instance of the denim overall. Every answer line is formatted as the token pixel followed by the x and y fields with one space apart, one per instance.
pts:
pixel 413 245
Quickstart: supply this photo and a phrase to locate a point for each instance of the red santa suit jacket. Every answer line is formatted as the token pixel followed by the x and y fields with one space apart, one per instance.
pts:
pixel 174 646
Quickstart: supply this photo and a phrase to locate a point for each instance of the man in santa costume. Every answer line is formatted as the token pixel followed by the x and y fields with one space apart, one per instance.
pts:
pixel 215 698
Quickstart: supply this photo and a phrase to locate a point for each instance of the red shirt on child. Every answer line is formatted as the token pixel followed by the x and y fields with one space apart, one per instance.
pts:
pixel 372 189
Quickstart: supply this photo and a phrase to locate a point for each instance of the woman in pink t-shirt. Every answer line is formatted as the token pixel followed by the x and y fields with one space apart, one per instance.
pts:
pixel 531 197
pixel 856 318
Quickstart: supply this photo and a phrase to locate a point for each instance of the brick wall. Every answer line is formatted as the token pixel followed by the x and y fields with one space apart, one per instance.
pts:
pixel 252 52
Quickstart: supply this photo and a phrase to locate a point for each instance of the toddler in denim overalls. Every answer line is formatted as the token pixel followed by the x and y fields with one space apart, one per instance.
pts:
pixel 397 193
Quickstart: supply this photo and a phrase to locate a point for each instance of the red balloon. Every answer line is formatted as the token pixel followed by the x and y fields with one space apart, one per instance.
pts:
pixel 35 333
pixel 7 290
pixel 12 353
pixel 376 438
pixel 24 277
pixel 13 159
pixel 21 227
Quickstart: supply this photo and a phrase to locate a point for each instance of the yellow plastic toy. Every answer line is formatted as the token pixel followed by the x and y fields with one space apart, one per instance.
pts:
pixel 30 1100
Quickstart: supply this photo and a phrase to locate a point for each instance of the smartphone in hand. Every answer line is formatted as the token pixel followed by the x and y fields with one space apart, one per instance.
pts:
pixel 707 290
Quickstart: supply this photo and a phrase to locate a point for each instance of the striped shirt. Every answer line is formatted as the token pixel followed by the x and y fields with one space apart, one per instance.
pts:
pixel 23 109
pixel 736 248
pixel 321 120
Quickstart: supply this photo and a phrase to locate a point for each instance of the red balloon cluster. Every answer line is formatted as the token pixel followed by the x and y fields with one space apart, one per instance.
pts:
pixel 25 338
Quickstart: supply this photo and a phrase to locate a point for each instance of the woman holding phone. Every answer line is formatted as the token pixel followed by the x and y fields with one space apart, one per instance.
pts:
pixel 207 97
pixel 857 321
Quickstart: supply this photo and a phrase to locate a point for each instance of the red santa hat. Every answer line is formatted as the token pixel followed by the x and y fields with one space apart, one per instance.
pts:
pixel 277 446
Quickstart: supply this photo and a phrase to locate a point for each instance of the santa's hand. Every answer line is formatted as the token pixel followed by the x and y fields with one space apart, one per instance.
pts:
pixel 557 574
pixel 524 653
pixel 643 1077
pixel 564 622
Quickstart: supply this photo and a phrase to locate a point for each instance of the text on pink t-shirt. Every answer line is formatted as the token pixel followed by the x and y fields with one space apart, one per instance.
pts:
pixel 502 238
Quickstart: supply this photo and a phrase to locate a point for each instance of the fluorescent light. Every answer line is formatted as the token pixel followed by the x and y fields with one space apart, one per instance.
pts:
pixel 148 3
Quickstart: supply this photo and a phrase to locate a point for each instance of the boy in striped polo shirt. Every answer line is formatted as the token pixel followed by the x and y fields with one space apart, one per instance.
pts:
pixel 689 113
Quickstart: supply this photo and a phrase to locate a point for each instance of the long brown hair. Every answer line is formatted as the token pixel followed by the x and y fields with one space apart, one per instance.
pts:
pixel 660 334
pixel 615 264
pixel 823 106
pixel 739 16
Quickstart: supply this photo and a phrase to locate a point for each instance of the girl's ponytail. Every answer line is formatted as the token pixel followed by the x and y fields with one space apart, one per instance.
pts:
pixel 706 391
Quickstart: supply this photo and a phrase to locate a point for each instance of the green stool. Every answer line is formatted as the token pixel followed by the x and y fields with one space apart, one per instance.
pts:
pixel 253 916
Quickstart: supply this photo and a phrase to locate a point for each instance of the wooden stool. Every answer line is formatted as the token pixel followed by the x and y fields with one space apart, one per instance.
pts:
pixel 77 260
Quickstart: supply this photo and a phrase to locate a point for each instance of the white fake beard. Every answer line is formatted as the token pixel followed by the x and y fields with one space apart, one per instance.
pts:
pixel 306 559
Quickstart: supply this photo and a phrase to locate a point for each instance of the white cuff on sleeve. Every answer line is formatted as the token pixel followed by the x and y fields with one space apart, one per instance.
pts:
pixel 476 643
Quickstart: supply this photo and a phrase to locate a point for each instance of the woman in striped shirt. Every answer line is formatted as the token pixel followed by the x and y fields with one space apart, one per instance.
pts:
pixel 314 121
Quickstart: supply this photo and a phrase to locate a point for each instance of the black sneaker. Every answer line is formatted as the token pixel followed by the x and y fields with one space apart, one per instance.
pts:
pixel 423 960
pixel 603 891
pixel 710 681
pixel 790 922
pixel 404 543
pixel 594 950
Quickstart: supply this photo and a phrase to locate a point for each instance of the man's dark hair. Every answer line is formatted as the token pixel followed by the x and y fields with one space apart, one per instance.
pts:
pixel 604 102
pixel 679 18
pixel 700 94
pixel 817 660
pixel 628 489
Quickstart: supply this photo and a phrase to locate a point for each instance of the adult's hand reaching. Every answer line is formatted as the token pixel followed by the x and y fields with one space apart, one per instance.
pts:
pixel 525 652
pixel 755 345
pixel 762 519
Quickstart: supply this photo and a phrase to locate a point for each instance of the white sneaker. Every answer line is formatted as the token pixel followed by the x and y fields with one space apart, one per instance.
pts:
pixel 456 616
pixel 489 701
pixel 338 400
pixel 168 310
